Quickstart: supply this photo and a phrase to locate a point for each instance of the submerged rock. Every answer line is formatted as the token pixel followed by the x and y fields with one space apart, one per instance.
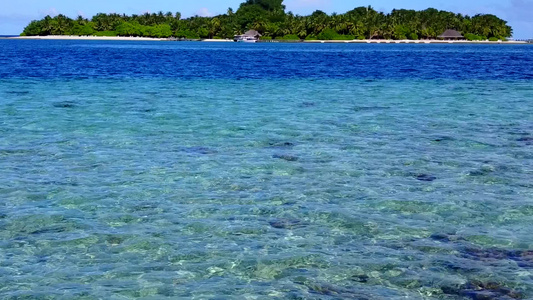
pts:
pixel 199 150
pixel 360 278
pixel 51 229
pixel 285 223
pixel 59 183
pixel 425 177
pixel 441 237
pixel 446 237
pixel 461 266
pixel 481 291
pixel 115 240
pixel 66 104
pixel 307 104
pixel 525 139
pixel 478 173
pixel 491 253
pixel 15 151
pixel 443 139
pixel 483 171
pixel 523 258
pixel 326 289
pixel 370 108
pixel 18 93
pixel 281 144
pixel 285 157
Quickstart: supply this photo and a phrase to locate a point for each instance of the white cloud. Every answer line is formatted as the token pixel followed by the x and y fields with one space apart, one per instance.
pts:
pixel 52 12
pixel 307 4
pixel 204 12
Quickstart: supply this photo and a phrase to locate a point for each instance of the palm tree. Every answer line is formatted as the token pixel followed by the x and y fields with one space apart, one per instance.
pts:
pixel 214 27
pixel 63 24
pixel 81 20
pixel 47 26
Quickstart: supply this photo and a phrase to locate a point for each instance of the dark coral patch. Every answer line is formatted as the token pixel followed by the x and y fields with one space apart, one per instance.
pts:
pixel 199 150
pixel 425 177
pixel 17 93
pixel 440 237
pixel 285 157
pixel 443 139
pixel 285 223
pixel 523 258
pixel 66 104
pixel 525 139
pixel 479 290
pixel 281 144
pixel 307 104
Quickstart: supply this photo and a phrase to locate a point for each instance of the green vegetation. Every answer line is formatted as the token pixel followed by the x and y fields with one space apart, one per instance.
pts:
pixel 473 37
pixel 288 37
pixel 269 18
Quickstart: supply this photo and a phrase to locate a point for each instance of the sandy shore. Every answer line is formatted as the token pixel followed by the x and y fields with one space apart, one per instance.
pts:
pixel 415 42
pixel 217 40
pixel 122 38
pixel 105 38
pixel 94 38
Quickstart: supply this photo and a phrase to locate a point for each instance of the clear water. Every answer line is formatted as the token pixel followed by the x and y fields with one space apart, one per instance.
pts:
pixel 203 171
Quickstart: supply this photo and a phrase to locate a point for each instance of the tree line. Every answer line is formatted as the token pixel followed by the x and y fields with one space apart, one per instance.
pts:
pixel 273 22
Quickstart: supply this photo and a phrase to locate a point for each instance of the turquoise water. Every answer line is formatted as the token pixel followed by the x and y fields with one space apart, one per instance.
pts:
pixel 266 188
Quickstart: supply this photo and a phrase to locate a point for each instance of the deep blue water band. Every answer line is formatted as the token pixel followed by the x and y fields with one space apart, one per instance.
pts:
pixel 82 59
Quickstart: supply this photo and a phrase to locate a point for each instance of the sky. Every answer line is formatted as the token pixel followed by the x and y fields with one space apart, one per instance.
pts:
pixel 16 14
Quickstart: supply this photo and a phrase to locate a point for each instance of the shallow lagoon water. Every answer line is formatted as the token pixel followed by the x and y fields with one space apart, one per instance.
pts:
pixel 335 182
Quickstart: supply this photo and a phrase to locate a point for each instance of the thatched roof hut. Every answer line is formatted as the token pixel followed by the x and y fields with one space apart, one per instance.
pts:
pixel 451 34
pixel 248 36
pixel 252 33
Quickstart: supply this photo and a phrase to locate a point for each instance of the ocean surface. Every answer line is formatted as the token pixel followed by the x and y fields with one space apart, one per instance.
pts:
pixel 155 170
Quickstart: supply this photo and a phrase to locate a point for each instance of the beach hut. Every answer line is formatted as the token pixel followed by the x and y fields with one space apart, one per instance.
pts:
pixel 451 34
pixel 252 33
pixel 248 36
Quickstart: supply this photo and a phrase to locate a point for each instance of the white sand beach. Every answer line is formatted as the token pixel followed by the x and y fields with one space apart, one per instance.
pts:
pixel 95 38
pixel 413 42
pixel 217 40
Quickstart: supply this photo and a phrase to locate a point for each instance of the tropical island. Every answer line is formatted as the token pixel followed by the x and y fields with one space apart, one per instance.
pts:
pixel 269 18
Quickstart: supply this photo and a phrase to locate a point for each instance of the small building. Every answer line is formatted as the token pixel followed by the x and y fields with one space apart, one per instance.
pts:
pixel 451 34
pixel 249 36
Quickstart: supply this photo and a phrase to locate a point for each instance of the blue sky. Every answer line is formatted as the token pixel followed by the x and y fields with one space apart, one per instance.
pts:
pixel 15 14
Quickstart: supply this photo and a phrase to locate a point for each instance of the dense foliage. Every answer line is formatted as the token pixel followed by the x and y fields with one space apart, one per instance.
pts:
pixel 269 18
